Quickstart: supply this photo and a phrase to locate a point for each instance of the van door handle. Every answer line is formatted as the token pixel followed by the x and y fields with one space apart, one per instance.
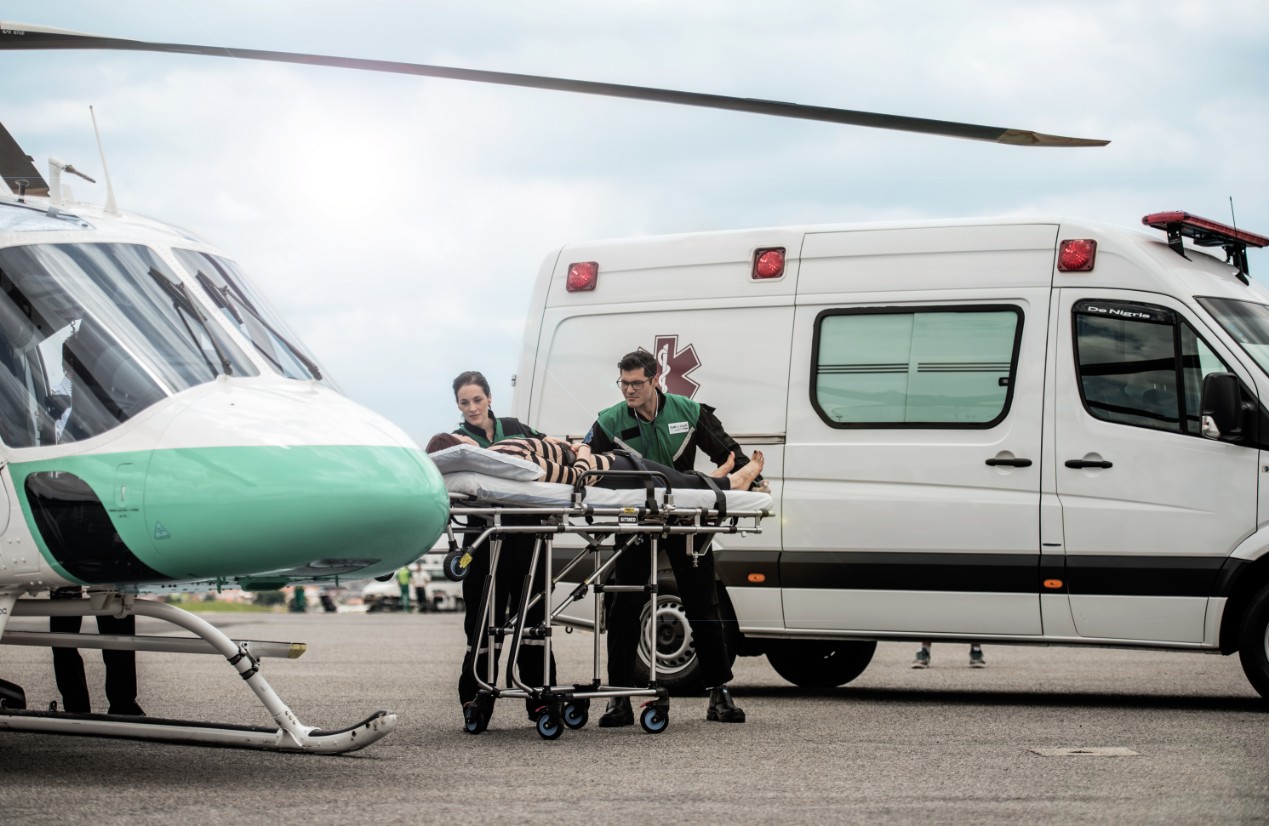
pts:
pixel 1009 462
pixel 1081 463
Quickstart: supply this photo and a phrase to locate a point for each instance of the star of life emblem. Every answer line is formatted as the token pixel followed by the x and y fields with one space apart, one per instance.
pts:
pixel 674 364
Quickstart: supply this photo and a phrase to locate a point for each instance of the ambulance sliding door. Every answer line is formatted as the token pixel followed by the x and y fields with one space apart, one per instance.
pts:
pixel 912 465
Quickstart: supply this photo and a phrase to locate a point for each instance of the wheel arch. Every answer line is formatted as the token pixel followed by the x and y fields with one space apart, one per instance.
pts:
pixel 1240 579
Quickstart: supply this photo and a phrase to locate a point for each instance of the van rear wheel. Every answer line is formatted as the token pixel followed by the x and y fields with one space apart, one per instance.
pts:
pixel 678 667
pixel 1253 642
pixel 820 663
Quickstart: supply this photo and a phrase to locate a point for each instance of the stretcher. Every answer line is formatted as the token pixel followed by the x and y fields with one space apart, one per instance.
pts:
pixel 611 522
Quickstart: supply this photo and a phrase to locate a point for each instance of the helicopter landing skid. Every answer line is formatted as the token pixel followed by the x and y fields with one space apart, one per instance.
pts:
pixel 290 735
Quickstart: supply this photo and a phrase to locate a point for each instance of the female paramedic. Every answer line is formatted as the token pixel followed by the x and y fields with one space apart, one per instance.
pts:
pixel 471 393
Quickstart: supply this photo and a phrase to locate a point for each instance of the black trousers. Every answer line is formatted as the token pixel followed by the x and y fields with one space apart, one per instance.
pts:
pixel 699 592
pixel 513 569
pixel 121 667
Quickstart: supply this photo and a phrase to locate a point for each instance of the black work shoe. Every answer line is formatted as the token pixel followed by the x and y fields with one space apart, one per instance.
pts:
pixel 617 714
pixel 721 707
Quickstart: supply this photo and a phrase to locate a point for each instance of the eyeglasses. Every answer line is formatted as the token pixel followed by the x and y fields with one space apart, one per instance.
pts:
pixel 638 384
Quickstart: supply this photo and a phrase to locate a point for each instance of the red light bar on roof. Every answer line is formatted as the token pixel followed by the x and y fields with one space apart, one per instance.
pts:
pixel 1205 233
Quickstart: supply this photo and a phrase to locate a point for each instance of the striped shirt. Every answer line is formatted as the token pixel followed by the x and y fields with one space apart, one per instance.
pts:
pixel 558 462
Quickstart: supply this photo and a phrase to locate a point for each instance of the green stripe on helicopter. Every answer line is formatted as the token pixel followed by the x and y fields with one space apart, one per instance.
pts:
pixel 195 513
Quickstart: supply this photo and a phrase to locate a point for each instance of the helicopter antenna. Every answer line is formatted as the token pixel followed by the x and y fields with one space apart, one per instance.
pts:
pixel 55 194
pixel 110 208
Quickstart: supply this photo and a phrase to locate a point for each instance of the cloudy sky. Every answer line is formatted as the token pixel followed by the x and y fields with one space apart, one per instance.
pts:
pixel 398 222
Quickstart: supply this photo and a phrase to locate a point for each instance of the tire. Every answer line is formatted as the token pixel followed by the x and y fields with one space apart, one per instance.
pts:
pixel 1253 642
pixel 576 714
pixel 654 720
pixel 548 726
pixel 677 666
pixel 820 664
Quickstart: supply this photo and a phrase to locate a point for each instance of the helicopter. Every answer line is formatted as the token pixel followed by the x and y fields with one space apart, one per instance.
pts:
pixel 164 430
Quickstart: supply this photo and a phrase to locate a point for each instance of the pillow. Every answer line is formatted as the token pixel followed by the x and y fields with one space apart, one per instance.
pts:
pixel 465 457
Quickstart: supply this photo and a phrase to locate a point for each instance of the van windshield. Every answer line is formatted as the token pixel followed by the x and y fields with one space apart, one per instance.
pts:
pixel 1246 322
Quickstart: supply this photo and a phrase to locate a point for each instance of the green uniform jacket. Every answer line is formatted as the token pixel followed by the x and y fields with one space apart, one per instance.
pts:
pixel 507 428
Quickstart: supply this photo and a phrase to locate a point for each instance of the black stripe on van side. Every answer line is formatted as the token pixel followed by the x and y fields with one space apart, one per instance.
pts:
pixel 1122 575
pixel 886 571
pixel 1143 576
pixel 1100 575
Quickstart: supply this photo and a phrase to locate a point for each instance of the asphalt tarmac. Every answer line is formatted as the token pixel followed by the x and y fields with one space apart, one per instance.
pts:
pixel 1042 735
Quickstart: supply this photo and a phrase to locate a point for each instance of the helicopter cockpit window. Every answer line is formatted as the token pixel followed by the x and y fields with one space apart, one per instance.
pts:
pixel 230 290
pixel 91 337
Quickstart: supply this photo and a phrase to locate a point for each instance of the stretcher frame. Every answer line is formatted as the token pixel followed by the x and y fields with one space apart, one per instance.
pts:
pixel 568 705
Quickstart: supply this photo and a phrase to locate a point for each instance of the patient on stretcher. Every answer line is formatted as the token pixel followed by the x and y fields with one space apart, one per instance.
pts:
pixel 564 463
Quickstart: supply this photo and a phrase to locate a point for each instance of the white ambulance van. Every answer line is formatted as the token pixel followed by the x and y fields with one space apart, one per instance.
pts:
pixel 1004 431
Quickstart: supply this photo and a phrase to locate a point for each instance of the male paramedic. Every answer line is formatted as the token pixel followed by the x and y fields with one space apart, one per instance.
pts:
pixel 665 428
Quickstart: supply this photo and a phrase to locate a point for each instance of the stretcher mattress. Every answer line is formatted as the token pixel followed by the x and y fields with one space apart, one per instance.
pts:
pixel 495 490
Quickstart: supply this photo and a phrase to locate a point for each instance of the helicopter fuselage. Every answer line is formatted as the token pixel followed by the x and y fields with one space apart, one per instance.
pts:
pixel 162 427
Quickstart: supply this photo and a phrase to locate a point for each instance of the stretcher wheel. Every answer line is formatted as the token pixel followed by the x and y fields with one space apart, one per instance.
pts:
pixel 475 719
pixel 548 724
pixel 455 564
pixel 654 720
pixel 577 713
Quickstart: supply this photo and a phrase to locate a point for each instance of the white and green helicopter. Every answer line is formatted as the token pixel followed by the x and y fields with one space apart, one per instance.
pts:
pixel 161 428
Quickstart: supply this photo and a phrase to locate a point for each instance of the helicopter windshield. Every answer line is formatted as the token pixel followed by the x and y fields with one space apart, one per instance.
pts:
pixel 92 335
pixel 230 290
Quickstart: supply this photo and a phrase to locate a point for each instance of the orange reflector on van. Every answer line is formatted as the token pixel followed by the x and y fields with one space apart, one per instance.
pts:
pixel 756 578
pixel 1053 583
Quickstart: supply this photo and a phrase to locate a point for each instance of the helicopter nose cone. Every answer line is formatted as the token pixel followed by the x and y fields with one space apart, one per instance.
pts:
pixel 290 500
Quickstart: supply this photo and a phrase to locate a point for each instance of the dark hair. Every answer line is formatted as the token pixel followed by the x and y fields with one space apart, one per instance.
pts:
pixel 442 440
pixel 639 360
pixel 471 377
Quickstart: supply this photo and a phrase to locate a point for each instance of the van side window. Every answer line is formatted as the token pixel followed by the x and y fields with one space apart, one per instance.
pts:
pixel 940 367
pixel 1141 365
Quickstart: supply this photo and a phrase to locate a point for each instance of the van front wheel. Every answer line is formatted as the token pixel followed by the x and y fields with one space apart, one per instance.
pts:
pixel 1253 643
pixel 820 663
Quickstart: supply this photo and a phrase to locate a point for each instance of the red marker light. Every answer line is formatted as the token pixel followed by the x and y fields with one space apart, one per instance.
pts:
pixel 768 263
pixel 757 578
pixel 582 276
pixel 1077 255
pixel 1053 584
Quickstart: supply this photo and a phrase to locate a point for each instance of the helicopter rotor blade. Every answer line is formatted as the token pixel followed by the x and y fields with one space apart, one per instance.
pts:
pixel 18 36
pixel 17 168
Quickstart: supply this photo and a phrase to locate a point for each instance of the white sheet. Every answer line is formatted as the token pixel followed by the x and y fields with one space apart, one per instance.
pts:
pixel 491 489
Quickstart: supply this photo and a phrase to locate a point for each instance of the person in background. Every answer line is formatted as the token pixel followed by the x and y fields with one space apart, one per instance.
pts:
pixel 403 582
pixel 121 666
pixel 975 656
pixel 419 580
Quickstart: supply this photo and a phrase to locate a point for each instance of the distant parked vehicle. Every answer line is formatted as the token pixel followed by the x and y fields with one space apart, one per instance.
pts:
pixel 443 595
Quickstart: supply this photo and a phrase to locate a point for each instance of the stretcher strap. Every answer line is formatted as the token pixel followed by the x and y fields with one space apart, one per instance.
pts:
pixel 720 500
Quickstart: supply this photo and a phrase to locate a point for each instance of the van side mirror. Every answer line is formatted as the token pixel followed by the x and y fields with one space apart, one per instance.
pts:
pixel 1222 407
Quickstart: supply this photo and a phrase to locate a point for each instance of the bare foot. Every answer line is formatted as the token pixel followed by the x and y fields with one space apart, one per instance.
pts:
pixel 725 468
pixel 743 478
